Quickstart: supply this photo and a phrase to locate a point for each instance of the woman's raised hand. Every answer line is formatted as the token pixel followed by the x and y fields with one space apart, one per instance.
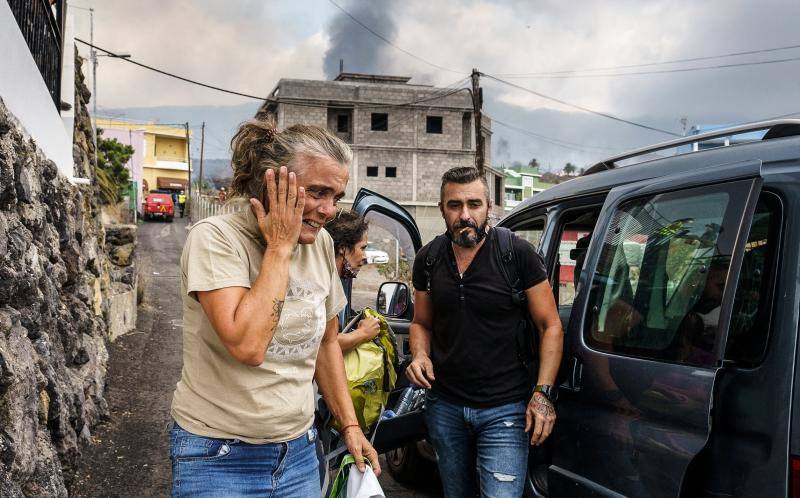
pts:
pixel 281 225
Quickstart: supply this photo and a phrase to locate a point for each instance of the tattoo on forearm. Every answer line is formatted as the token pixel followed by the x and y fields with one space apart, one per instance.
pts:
pixel 277 308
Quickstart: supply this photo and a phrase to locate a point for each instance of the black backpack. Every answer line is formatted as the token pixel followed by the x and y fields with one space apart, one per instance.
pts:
pixel 504 255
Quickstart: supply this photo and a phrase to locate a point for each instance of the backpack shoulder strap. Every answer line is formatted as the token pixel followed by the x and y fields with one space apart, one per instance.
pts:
pixel 432 257
pixel 508 263
pixel 526 343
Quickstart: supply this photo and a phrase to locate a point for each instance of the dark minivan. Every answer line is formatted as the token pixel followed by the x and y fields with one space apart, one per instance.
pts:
pixel 676 279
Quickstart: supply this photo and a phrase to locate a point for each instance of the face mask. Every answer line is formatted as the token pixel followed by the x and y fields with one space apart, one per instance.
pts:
pixel 347 270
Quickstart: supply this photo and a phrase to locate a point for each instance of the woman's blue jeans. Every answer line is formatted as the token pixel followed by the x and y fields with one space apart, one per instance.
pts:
pixel 209 467
pixel 482 449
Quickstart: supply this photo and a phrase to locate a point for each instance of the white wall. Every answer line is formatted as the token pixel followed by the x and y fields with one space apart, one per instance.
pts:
pixel 68 72
pixel 24 93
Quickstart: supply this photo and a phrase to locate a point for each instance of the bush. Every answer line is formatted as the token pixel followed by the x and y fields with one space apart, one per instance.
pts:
pixel 112 173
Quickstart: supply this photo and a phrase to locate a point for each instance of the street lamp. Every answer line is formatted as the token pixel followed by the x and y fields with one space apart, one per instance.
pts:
pixel 94 55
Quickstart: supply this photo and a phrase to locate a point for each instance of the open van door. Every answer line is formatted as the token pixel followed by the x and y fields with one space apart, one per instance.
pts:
pixel 387 288
pixel 646 339
pixel 394 231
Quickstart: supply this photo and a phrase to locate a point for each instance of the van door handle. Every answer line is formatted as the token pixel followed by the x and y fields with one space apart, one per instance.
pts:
pixel 574 374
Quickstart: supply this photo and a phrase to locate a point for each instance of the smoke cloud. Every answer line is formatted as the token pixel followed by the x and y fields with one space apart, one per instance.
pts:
pixel 501 154
pixel 361 51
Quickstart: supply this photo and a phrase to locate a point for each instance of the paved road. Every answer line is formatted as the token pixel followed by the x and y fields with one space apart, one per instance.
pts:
pixel 130 454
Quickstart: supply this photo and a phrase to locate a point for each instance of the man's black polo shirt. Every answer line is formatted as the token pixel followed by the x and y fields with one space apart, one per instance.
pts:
pixel 476 326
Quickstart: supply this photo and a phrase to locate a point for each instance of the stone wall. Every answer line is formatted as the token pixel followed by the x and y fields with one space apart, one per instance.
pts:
pixel 431 167
pixel 53 276
pixel 120 293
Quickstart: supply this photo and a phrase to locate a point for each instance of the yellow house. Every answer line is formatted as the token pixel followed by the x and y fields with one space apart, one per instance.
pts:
pixel 161 159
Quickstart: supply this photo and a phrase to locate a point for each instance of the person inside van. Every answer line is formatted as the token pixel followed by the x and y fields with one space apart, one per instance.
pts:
pixel 699 326
pixel 579 256
pixel 349 233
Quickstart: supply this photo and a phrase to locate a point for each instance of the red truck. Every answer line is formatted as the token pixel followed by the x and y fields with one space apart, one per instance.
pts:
pixel 158 206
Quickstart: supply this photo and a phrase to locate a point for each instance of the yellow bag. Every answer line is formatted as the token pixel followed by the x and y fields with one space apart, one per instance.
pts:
pixel 371 372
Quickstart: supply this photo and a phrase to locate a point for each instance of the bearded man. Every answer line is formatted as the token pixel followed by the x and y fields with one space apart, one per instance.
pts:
pixel 466 341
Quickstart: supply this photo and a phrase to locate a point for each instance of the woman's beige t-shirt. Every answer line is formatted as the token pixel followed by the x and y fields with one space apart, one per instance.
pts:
pixel 219 397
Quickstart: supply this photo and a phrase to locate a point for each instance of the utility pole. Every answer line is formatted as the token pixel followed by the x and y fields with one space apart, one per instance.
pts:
pixel 202 145
pixel 189 163
pixel 93 55
pixel 477 104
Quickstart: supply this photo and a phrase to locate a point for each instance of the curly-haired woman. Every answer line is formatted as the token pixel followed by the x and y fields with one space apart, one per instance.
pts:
pixel 261 294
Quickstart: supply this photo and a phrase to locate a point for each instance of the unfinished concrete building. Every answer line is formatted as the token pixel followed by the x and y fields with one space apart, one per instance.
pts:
pixel 403 136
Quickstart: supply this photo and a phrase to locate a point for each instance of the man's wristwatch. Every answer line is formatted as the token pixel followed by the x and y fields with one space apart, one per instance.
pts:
pixel 550 392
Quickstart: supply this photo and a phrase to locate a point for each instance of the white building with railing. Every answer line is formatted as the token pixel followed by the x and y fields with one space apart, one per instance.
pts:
pixel 37 74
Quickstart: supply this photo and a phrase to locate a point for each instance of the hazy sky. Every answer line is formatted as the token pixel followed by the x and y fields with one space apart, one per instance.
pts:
pixel 248 45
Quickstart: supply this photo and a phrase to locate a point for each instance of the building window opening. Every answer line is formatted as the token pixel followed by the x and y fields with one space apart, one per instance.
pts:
pixel 342 123
pixel 391 172
pixel 433 124
pixel 380 121
pixel 372 171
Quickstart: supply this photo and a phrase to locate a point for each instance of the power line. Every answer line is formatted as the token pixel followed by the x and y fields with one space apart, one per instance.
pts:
pixel 444 92
pixel 220 146
pixel 555 141
pixel 385 40
pixel 662 71
pixel 171 75
pixel 650 64
pixel 262 99
pixel 579 107
pixel 123 120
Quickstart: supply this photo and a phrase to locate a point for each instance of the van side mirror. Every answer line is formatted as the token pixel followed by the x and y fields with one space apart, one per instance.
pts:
pixel 393 299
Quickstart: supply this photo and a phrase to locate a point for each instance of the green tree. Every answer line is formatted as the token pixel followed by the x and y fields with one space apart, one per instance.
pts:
pixel 570 169
pixel 112 174
pixel 533 163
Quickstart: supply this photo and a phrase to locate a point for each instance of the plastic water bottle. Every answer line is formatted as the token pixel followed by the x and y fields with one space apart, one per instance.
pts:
pixel 406 399
pixel 387 414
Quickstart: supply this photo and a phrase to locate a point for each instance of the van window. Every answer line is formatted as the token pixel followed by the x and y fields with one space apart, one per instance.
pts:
pixel 390 256
pixel 752 305
pixel 576 232
pixel 660 280
pixel 532 231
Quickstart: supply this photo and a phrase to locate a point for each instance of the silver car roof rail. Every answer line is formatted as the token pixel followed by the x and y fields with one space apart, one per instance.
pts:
pixel 777 128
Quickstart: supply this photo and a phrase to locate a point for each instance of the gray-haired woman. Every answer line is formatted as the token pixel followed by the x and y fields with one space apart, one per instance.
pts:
pixel 261 294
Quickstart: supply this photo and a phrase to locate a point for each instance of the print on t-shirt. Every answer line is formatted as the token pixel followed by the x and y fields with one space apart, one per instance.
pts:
pixel 302 322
